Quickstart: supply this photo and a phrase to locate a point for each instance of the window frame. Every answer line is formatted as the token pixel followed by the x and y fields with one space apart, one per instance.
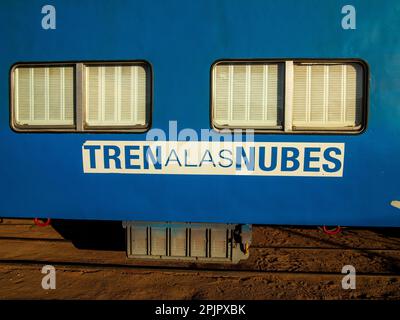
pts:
pixel 287 125
pixel 278 127
pixel 79 105
pixel 40 127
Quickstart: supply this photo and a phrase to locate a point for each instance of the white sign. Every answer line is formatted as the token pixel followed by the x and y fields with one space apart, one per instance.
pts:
pixel 214 158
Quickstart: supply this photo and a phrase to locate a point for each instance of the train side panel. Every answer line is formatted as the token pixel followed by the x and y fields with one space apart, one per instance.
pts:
pixel 43 174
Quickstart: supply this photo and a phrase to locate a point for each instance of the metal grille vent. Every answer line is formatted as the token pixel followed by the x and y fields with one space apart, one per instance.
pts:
pixel 185 241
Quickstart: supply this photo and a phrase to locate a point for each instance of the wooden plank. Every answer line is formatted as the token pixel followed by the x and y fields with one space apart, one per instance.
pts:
pixel 91 231
pixel 324 260
pixel 8 221
pixel 263 236
pixel 28 232
pixel 295 263
pixel 261 259
pixel 267 236
pixel 24 282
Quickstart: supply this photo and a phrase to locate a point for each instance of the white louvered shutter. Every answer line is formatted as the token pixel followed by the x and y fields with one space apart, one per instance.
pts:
pixel 248 95
pixel 43 96
pixel 116 96
pixel 327 96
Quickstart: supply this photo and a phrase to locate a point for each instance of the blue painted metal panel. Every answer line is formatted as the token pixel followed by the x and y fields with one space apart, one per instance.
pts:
pixel 42 174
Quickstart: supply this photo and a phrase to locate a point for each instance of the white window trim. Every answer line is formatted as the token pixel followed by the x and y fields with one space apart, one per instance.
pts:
pixel 288 102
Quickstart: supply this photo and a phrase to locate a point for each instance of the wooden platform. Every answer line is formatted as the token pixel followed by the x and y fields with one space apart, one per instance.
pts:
pixel 284 263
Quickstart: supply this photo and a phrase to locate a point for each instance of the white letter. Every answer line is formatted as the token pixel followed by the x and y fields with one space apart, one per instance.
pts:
pixel 349 281
pixel 349 20
pixel 49 281
pixel 49 20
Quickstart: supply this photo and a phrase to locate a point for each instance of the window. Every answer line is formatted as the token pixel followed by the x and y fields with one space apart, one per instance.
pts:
pixel 81 97
pixel 248 95
pixel 327 96
pixel 43 96
pixel 115 96
pixel 289 96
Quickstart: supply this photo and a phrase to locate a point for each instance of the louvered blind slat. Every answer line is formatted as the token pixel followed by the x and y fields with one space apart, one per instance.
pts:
pixel 327 95
pixel 248 95
pixel 115 95
pixel 44 96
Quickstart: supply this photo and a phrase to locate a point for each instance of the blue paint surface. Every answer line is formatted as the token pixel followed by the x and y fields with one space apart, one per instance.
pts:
pixel 41 174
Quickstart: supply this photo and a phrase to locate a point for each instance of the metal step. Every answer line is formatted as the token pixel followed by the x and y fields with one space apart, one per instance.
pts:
pixel 197 242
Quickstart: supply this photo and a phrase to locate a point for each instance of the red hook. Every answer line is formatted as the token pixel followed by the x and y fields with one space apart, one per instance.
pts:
pixel 43 223
pixel 332 231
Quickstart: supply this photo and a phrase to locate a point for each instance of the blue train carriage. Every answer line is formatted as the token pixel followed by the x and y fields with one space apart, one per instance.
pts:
pixel 191 120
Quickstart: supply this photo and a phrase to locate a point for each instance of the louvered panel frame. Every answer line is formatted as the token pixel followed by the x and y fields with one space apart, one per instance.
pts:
pixel 247 95
pixel 116 96
pixel 328 96
pixel 43 96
